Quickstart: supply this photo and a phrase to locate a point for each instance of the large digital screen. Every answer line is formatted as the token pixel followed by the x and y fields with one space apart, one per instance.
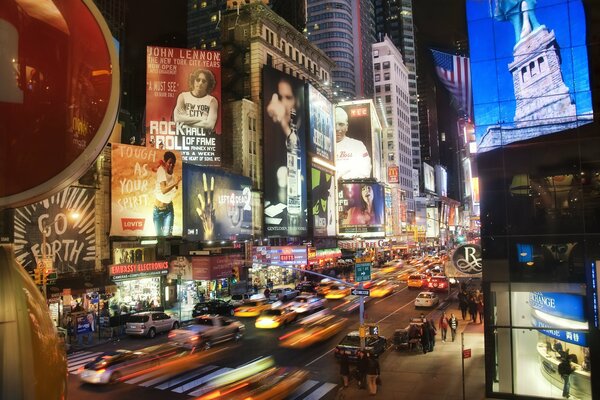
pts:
pixel 183 96
pixel 358 141
pixel 67 220
pixel 321 124
pixel 428 178
pixel 216 205
pixel 529 69
pixel 146 191
pixel 285 125
pixel 361 208
pixel 280 255
pixel 323 212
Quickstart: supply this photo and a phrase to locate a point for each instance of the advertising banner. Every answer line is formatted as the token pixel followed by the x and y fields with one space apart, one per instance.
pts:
pixel 393 174
pixel 358 141
pixel 323 210
pixel 389 212
pixel 284 146
pixel 67 219
pixel 183 96
pixel 280 255
pixel 216 205
pixel 433 224
pixel 428 178
pixel 146 191
pixel 415 182
pixel 321 125
pixel 205 268
pixel 361 208
pixel 530 69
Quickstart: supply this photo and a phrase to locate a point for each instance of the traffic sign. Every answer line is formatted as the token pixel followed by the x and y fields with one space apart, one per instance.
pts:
pixel 361 292
pixel 362 272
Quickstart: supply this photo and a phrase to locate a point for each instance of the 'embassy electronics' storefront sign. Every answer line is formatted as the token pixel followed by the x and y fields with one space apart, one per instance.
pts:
pixel 128 271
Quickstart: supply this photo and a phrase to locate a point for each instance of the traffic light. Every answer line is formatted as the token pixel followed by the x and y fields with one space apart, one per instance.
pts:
pixel 37 276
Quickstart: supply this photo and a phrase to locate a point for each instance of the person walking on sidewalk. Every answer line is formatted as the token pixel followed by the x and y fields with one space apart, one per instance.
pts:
pixel 344 368
pixel 372 373
pixel 453 324
pixel 362 365
pixel 443 326
pixel 432 332
pixel 480 310
pixel 565 370
pixel 425 337
pixel 473 308
pixel 463 303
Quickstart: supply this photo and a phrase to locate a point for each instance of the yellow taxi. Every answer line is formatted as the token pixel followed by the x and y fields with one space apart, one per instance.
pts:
pixel 252 308
pixel 382 289
pixel 337 292
pixel 275 317
pixel 417 281
pixel 313 332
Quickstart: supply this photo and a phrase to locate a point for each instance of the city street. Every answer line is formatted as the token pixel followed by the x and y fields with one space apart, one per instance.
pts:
pixel 390 313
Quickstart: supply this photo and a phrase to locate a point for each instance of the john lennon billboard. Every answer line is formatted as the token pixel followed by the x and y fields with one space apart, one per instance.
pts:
pixel 530 69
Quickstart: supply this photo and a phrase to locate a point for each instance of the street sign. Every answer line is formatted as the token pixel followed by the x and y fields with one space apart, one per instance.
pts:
pixel 361 292
pixel 467 353
pixel 362 272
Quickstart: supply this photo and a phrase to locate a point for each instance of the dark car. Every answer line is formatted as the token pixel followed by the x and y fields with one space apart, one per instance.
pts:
pixel 306 287
pixel 219 307
pixel 350 344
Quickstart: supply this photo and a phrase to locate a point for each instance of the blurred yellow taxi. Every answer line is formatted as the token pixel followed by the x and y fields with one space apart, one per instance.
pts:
pixel 275 317
pixel 337 292
pixel 417 281
pixel 313 333
pixel 381 289
pixel 252 308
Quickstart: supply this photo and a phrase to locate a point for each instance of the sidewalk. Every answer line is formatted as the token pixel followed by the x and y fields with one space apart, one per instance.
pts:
pixel 432 376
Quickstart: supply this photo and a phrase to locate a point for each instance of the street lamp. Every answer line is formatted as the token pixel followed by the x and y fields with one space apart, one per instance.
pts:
pixel 45 263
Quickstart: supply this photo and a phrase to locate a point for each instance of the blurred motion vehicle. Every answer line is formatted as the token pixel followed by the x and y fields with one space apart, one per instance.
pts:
pixel 113 366
pixel 417 281
pixel 283 294
pixel 438 283
pixel 427 299
pixel 150 323
pixel 206 331
pixel 324 286
pixel 275 317
pixel 382 289
pixel 350 344
pixel 306 287
pixel 239 299
pixel 306 304
pixel 337 292
pixel 313 330
pixel 252 308
pixel 216 306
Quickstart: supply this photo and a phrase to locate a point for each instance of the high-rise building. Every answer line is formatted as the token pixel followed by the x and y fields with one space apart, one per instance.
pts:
pixel 293 11
pixel 203 23
pixel 345 33
pixel 394 18
pixel 392 100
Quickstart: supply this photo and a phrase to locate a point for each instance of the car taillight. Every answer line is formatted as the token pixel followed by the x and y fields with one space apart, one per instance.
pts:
pixel 171 335
pixel 236 310
pixel 194 338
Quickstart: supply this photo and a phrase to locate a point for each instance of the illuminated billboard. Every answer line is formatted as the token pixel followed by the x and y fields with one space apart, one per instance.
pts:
pixel 146 191
pixel 321 124
pixel 389 212
pixel 361 208
pixel 216 205
pixel 67 219
pixel 284 146
pixel 183 96
pixel 280 255
pixel 358 140
pixel 428 178
pixel 530 71
pixel 441 181
pixel 322 204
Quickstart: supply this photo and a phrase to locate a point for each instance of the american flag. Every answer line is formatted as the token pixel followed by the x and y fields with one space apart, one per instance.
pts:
pixel 455 73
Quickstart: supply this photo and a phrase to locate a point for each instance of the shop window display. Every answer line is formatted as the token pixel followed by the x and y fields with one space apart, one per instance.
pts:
pixel 137 295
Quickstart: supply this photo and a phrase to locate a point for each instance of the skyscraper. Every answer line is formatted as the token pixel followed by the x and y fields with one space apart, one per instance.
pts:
pixel 345 33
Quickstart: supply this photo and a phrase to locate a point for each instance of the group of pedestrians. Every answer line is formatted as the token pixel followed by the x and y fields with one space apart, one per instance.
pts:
pixel 367 371
pixel 471 303
pixel 445 323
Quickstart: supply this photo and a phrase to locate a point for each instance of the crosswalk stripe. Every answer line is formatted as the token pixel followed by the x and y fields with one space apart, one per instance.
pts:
pixel 79 356
pixel 200 381
pixel 183 378
pixel 321 391
pixel 75 366
pixel 305 387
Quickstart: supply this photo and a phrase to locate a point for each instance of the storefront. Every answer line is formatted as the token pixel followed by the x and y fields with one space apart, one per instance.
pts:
pixel 535 326
pixel 269 262
pixel 140 286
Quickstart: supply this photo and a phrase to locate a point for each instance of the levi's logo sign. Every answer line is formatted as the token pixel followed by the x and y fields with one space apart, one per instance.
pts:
pixel 133 224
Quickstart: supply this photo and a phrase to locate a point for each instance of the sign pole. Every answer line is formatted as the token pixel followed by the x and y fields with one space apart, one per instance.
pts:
pixel 362 316
pixel 462 357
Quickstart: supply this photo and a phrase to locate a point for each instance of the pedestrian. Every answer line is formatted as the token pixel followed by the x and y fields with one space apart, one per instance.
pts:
pixel 372 373
pixel 432 332
pixel 344 368
pixel 480 310
pixel 267 292
pixel 443 326
pixel 453 324
pixel 463 303
pixel 425 337
pixel 473 308
pixel 362 364
pixel 565 370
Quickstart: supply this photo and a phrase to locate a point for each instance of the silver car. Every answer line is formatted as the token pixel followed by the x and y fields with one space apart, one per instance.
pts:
pixel 150 323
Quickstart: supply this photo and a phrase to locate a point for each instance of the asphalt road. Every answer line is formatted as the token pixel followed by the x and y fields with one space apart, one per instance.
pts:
pixel 390 313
